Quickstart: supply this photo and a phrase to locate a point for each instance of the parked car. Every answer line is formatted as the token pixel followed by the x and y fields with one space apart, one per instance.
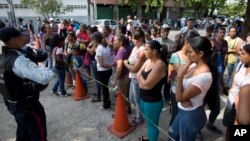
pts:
pixel 100 23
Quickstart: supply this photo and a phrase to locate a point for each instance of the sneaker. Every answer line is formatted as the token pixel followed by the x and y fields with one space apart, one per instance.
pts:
pixel 55 93
pixel 106 106
pixel 213 128
pixel 66 95
pixel 95 100
pixel 137 121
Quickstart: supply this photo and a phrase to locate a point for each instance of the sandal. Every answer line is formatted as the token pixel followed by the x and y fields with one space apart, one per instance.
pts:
pixel 142 138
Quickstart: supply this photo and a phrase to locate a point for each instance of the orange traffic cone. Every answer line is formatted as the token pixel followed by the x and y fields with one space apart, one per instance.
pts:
pixel 80 92
pixel 68 79
pixel 120 126
pixel 37 43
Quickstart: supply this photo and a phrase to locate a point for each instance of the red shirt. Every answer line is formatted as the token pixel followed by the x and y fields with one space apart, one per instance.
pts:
pixel 83 36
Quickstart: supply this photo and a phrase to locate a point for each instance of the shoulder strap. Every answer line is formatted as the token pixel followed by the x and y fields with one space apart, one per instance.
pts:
pixel 238 69
pixel 178 58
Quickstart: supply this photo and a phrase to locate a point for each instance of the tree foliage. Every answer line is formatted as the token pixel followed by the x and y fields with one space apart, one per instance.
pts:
pixel 235 9
pixel 46 7
pixel 159 4
pixel 204 6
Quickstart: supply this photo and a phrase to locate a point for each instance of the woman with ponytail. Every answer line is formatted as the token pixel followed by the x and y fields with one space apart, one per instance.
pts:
pixel 150 79
pixel 192 83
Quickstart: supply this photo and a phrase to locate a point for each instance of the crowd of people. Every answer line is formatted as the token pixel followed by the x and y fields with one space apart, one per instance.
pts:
pixel 139 61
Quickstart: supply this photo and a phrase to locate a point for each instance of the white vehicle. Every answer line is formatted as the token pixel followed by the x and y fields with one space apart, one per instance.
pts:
pixel 102 22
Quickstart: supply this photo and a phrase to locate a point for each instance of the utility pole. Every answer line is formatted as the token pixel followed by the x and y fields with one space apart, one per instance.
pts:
pixel 95 10
pixel 12 12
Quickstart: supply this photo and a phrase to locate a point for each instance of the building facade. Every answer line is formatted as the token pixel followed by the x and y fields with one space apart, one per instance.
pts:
pixel 112 9
pixel 78 9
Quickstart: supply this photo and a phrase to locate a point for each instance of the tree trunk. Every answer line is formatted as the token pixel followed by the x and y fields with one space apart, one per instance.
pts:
pixel 246 25
pixel 116 12
pixel 139 10
pixel 89 19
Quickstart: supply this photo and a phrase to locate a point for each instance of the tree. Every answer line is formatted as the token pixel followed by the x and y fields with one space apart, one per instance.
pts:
pixel 203 7
pixel 235 9
pixel 46 7
pixel 246 25
pixel 137 4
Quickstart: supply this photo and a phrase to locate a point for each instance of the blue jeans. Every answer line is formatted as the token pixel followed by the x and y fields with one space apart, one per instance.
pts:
pixel 93 68
pixel 85 85
pixel 134 96
pixel 220 82
pixel 31 124
pixel 60 81
pixel 152 111
pixel 49 63
pixel 230 69
pixel 188 124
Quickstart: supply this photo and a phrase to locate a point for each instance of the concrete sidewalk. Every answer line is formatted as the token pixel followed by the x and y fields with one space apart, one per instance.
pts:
pixel 69 120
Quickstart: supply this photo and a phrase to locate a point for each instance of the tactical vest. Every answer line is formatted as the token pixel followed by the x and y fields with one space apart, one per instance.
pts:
pixel 12 87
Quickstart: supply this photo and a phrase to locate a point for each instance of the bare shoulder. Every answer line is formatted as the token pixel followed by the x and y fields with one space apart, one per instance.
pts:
pixel 160 65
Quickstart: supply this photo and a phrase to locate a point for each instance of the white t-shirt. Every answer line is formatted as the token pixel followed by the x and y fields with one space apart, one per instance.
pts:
pixel 240 79
pixel 203 81
pixel 59 51
pixel 106 54
pixel 133 58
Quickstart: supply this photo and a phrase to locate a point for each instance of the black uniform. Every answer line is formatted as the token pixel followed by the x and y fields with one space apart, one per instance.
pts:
pixel 21 98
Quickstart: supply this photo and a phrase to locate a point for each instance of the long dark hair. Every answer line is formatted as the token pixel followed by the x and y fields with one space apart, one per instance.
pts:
pixel 202 44
pixel 139 34
pixel 155 45
pixel 247 48
pixel 179 42
pixel 182 38
pixel 56 40
pixel 99 38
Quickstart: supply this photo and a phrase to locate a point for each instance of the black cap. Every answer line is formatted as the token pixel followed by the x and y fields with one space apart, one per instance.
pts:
pixel 9 32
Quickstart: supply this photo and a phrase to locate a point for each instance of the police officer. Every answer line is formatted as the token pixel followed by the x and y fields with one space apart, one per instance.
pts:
pixel 21 80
